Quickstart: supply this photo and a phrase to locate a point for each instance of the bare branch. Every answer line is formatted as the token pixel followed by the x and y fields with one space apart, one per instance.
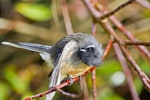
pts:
pixel 126 70
pixel 84 88
pixel 144 3
pixel 137 43
pixel 68 94
pixel 116 9
pixel 94 27
pixel 66 83
pixel 120 42
pixel 141 74
pixel 129 35
pixel 66 17
pixel 108 48
pixel 94 84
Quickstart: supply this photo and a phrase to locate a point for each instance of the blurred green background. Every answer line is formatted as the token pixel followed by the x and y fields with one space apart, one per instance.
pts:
pixel 23 73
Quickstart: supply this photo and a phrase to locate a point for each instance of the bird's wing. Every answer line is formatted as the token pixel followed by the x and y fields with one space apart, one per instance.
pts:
pixel 43 50
pixel 56 76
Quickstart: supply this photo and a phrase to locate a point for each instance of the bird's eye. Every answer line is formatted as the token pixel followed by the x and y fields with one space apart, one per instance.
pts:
pixel 90 49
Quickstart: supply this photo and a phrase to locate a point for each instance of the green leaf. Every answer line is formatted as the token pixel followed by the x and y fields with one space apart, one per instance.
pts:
pixel 108 68
pixel 108 94
pixel 4 91
pixel 37 12
pixel 11 76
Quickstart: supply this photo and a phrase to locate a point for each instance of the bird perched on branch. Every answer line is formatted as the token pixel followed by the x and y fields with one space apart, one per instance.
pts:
pixel 71 56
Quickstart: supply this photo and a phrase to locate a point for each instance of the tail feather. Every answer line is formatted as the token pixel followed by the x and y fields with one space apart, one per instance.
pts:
pixel 55 79
pixel 53 82
pixel 29 46
pixel 43 50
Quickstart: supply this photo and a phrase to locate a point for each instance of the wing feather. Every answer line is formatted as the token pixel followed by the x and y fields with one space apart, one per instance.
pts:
pixel 56 76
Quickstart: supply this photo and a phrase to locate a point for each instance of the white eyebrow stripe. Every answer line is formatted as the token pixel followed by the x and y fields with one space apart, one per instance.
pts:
pixel 90 46
pixel 83 50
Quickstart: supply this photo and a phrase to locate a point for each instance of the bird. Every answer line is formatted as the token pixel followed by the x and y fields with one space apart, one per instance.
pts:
pixel 70 57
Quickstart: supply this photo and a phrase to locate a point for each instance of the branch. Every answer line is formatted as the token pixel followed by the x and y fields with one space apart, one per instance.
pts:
pixel 129 35
pixel 68 94
pixel 144 51
pixel 126 70
pixel 137 43
pixel 115 10
pixel 84 88
pixel 142 75
pixel 119 41
pixel 55 88
pixel 94 27
pixel 144 3
pixel 108 48
pixel 66 17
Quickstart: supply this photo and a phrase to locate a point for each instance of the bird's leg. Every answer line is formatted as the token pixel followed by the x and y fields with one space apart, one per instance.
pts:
pixel 69 78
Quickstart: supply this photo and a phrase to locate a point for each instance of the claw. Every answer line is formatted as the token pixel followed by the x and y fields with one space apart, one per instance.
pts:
pixel 69 78
pixel 80 77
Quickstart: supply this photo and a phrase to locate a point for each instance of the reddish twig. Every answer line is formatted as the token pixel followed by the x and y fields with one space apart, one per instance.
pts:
pixel 68 94
pixel 69 30
pixel 108 47
pixel 118 24
pixel 95 13
pixel 115 10
pixel 129 35
pixel 94 84
pixel 137 43
pixel 94 27
pixel 66 83
pixel 144 3
pixel 108 28
pixel 142 75
pixel 66 17
pixel 84 88
pixel 126 70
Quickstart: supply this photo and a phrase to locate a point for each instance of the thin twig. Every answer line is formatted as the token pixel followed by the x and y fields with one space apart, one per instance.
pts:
pixel 129 35
pixel 69 29
pixel 144 3
pixel 137 43
pixel 142 75
pixel 126 70
pixel 94 13
pixel 94 27
pixel 108 28
pixel 108 48
pixel 144 51
pixel 116 9
pixel 66 83
pixel 94 85
pixel 66 17
pixel 68 94
pixel 84 88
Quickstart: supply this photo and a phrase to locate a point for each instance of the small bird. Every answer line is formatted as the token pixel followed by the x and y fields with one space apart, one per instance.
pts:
pixel 71 56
